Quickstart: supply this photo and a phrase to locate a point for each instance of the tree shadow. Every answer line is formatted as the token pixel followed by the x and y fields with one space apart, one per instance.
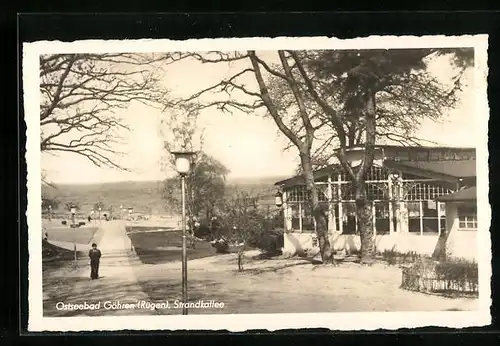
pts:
pixel 81 290
pixel 273 268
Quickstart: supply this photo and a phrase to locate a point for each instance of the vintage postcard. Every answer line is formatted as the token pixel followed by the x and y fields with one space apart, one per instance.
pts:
pixel 258 183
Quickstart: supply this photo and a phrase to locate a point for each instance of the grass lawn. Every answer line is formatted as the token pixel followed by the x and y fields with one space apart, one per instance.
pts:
pixel 163 247
pixel 82 235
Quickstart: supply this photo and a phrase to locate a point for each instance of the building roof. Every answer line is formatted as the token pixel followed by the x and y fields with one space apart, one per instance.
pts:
pixel 318 174
pixel 468 194
pixel 445 170
pixel 418 147
pixel 451 168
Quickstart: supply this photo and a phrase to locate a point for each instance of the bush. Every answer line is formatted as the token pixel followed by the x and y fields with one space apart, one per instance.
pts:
pixel 451 276
pixel 271 241
pixel 81 223
pixel 64 222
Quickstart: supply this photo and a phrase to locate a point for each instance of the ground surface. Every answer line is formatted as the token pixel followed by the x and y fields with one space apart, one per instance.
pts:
pixel 266 286
pixel 57 232
pixel 162 247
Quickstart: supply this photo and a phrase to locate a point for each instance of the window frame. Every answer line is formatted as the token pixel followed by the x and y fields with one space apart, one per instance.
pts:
pixel 467 219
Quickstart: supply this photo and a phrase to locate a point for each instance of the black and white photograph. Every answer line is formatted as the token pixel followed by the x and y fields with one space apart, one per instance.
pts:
pixel 252 183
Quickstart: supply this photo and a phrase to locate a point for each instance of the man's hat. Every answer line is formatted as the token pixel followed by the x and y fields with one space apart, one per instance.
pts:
pixel 94 244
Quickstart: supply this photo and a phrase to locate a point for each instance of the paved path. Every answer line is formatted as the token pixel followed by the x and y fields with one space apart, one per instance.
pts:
pixel 117 283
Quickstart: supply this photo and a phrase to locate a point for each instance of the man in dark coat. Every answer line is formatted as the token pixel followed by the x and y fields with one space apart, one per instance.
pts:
pixel 95 256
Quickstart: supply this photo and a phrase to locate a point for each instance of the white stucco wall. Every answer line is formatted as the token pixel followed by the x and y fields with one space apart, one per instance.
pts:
pixel 460 243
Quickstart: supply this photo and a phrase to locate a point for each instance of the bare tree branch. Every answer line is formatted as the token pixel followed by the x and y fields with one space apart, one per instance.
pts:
pixel 80 92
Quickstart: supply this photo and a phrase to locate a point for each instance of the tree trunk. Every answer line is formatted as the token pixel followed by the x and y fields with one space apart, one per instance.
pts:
pixel 318 213
pixel 440 252
pixel 363 204
pixel 240 261
pixel 365 224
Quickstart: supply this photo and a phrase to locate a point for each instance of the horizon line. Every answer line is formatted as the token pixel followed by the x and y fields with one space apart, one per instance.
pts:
pixel 155 181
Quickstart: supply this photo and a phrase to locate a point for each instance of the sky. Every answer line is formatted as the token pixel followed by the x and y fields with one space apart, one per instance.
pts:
pixel 249 145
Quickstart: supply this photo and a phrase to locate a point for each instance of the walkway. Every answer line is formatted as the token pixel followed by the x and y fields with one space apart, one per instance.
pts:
pixel 117 283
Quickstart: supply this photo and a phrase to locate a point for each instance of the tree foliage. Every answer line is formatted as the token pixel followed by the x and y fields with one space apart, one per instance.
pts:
pixel 98 206
pixel 50 203
pixel 70 205
pixel 205 183
pixel 205 186
pixel 244 223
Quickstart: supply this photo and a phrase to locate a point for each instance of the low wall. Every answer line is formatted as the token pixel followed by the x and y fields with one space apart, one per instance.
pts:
pixel 297 243
pixel 460 243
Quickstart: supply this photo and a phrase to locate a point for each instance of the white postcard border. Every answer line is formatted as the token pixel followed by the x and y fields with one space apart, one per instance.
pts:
pixel 334 321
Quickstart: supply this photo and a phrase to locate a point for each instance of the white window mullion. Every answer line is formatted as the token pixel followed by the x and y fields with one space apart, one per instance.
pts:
pixel 421 212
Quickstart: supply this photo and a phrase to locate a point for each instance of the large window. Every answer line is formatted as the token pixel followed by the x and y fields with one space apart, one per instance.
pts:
pixel 307 218
pixel 376 191
pixel 430 217
pixel 382 220
pixel 423 191
pixel 302 219
pixel 296 218
pixel 413 216
pixel 300 194
pixel 467 217
pixel 336 215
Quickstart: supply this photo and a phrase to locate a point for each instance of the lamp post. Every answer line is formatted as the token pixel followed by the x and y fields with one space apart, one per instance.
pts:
pixel 100 215
pixel 278 199
pixel 73 213
pixel 50 213
pixel 182 166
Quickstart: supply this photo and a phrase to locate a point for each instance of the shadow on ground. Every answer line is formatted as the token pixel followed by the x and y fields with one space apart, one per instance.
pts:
pixel 73 289
pixel 273 268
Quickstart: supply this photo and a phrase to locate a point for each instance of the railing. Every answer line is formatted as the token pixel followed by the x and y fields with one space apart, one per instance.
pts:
pixel 420 283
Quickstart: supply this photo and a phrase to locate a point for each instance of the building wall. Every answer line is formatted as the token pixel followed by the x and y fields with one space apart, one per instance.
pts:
pixel 461 244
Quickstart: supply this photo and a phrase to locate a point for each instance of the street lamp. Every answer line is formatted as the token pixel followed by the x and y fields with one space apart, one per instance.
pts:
pixel 73 213
pixel 278 199
pixel 50 213
pixel 183 166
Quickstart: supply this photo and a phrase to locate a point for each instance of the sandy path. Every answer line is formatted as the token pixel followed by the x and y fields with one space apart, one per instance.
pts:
pixel 286 286
pixel 117 283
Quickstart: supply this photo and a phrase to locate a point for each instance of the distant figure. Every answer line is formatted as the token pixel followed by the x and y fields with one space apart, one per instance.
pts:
pixel 95 256
pixel 89 218
pixel 46 236
pixel 106 217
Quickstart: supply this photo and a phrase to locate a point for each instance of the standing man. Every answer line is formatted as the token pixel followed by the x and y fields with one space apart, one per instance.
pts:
pixel 95 256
